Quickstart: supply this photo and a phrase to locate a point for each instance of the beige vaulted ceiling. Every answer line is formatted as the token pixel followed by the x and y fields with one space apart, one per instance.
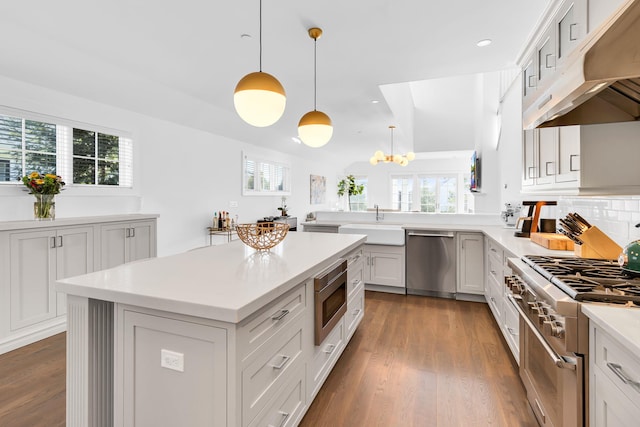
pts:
pixel 180 60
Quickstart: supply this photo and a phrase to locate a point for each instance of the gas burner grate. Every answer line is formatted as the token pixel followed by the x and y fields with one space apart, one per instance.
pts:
pixel 588 279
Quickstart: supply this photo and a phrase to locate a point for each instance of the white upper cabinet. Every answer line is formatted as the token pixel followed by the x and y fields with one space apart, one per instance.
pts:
pixel 571 27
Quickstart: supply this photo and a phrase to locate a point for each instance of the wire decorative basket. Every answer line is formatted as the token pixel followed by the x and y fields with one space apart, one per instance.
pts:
pixel 262 236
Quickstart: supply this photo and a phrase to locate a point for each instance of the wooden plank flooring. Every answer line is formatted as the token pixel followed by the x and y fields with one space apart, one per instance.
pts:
pixel 32 384
pixel 414 361
pixel 419 361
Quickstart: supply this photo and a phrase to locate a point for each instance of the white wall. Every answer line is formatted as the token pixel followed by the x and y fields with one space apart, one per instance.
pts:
pixel 181 173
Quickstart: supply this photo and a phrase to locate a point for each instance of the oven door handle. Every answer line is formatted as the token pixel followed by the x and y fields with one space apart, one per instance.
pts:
pixel 559 361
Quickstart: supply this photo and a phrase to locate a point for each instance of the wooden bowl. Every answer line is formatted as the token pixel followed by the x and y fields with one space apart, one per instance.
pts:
pixel 262 236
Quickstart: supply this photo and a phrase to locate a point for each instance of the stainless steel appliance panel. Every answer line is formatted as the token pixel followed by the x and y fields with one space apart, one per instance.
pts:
pixel 431 263
pixel 330 299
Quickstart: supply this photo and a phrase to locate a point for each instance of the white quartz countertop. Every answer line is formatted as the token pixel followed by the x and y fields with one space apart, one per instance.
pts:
pixel 226 282
pixel 518 246
pixel 66 222
pixel 622 323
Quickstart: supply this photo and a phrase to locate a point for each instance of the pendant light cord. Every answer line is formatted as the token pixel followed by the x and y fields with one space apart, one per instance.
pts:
pixel 315 72
pixel 260 36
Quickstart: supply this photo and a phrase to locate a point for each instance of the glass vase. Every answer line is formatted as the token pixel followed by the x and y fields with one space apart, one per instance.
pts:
pixel 44 208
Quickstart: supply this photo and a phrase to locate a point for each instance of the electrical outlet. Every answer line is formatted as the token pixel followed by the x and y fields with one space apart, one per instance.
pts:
pixel 172 360
pixel 233 204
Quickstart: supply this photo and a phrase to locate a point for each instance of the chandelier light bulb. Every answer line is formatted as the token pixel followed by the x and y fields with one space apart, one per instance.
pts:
pixel 411 156
pixel 373 161
pixel 379 155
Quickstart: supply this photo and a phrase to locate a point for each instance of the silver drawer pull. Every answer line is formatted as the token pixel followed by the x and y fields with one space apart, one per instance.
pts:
pixel 512 331
pixel 356 311
pixel 355 281
pixel 617 369
pixel 280 316
pixel 284 361
pixel 329 349
pixel 284 415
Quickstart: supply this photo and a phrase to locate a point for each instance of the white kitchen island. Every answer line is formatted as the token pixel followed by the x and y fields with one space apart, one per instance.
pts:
pixel 219 336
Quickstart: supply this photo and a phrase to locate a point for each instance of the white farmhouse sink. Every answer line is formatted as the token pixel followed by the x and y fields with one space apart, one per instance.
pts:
pixel 377 234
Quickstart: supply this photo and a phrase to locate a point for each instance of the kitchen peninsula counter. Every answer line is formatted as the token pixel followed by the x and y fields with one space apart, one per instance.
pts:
pixel 503 235
pixel 218 336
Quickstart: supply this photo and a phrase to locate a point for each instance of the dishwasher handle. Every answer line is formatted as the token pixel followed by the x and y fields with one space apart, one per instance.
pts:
pixel 429 235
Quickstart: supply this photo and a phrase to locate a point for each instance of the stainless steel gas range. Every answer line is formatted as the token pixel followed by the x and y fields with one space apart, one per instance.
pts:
pixel 554 334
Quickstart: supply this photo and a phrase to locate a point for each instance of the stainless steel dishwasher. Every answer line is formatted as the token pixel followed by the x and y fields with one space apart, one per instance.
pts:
pixel 431 263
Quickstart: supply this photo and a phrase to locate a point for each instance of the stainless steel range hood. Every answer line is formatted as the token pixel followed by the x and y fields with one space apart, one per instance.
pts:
pixel 599 82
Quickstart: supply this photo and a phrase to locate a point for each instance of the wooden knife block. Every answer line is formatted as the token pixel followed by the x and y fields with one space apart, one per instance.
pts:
pixel 596 244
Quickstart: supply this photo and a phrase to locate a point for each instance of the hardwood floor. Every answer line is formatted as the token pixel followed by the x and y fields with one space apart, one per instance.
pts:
pixel 32 384
pixel 419 361
pixel 414 361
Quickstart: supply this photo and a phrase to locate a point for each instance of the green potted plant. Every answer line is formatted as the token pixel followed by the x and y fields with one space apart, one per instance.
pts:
pixel 349 187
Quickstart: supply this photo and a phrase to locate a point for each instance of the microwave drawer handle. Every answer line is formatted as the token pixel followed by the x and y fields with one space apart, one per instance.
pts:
pixel 430 235
pixel 559 361
pixel 617 369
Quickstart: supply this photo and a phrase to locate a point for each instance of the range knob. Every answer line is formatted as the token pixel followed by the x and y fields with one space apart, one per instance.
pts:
pixel 553 328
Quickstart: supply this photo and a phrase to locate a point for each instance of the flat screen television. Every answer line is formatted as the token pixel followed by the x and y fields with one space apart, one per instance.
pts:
pixel 474 184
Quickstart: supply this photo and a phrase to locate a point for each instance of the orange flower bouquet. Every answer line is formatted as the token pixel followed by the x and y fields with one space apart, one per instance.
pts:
pixel 44 188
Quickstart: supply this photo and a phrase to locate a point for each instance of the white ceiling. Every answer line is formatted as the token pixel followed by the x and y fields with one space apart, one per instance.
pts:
pixel 180 60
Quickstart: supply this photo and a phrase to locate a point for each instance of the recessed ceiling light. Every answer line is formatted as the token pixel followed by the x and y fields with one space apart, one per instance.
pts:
pixel 245 36
pixel 375 101
pixel 296 140
pixel 482 43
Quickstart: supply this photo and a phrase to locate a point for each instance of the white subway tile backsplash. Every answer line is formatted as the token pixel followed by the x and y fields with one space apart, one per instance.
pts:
pixel 615 216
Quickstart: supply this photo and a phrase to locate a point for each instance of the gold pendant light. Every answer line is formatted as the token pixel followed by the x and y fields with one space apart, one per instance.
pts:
pixel 315 128
pixel 402 160
pixel 259 97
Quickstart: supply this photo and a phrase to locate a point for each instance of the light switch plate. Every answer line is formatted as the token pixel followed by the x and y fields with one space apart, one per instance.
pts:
pixel 172 360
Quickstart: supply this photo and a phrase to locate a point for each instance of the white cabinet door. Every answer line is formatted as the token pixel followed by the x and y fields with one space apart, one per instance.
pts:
pixel 471 263
pixel 386 269
pixel 33 267
pixel 529 158
pixel 142 242
pixel 114 245
pixel 125 242
pixel 546 156
pixel 571 24
pixel 529 79
pixel 74 256
pixel 568 153
pixel 546 57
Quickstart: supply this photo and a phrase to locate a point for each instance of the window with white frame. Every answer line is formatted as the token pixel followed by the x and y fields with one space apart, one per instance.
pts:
pixel 264 177
pixel 79 153
pixel 402 193
pixel 435 193
pixel 359 201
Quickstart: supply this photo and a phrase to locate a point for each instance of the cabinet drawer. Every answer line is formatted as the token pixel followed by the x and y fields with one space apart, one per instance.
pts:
pixel 495 251
pixel 355 310
pixel 325 356
pixel 267 373
pixel 511 328
pixel 495 273
pixel 495 299
pixel 608 406
pixel 617 363
pixel 354 257
pixel 268 321
pixel 286 409
pixel 355 277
